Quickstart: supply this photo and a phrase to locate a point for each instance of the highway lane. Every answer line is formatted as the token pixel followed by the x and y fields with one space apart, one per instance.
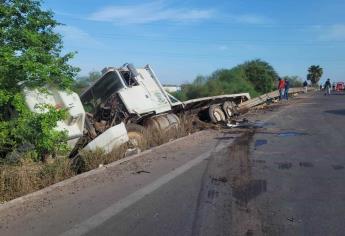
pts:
pixel 284 178
pixel 287 178
pixel 77 207
pixel 301 155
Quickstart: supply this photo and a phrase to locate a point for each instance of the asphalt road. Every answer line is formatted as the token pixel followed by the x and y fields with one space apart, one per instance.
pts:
pixel 283 178
pixel 301 157
pixel 286 179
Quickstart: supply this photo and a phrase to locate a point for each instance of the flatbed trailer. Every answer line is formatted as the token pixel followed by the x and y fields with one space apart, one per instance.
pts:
pixel 205 102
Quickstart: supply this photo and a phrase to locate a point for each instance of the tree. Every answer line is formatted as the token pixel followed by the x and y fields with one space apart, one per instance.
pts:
pixel 261 74
pixel 223 81
pixel 30 56
pixel 256 77
pixel 314 74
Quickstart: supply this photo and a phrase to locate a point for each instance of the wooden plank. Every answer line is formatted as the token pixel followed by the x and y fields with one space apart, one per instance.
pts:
pixel 263 98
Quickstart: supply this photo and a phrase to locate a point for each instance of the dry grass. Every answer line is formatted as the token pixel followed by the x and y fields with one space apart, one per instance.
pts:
pixel 60 169
pixel 154 137
pixel 89 160
pixel 27 177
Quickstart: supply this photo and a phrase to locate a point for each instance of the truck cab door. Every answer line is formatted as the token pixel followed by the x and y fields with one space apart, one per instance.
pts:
pixel 135 96
pixel 136 100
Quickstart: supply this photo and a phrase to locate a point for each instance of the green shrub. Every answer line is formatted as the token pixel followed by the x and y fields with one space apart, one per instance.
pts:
pixel 261 74
pixel 255 77
pixel 30 56
pixel 33 128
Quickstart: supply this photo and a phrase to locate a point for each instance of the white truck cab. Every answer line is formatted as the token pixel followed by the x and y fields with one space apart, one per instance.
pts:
pixel 138 89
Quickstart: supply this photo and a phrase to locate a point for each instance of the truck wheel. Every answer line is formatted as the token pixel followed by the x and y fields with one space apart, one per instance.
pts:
pixel 135 134
pixel 216 114
pixel 228 108
pixel 163 122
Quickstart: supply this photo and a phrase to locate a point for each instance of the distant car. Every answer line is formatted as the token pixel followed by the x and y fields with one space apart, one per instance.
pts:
pixel 340 86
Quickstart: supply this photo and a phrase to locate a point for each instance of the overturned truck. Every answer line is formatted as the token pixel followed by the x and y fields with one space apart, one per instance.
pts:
pixel 123 102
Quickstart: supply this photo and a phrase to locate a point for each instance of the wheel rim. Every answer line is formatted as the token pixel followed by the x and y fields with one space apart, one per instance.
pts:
pixel 228 111
pixel 135 139
pixel 217 115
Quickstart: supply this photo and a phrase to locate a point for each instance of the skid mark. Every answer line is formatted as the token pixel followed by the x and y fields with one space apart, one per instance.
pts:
pixel 284 165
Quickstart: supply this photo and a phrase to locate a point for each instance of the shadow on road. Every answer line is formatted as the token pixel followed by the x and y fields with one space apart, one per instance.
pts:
pixel 338 94
pixel 336 112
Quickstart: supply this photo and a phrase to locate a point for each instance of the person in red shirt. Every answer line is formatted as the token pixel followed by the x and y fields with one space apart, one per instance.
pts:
pixel 281 88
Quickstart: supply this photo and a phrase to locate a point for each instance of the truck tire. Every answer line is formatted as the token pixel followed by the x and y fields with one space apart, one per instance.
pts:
pixel 174 121
pixel 229 109
pixel 216 114
pixel 135 135
pixel 162 122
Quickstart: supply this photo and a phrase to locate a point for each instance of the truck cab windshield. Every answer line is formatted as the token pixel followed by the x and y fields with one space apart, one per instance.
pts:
pixel 101 91
pixel 129 78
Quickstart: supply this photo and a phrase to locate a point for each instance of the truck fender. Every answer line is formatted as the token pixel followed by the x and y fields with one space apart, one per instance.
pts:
pixel 110 139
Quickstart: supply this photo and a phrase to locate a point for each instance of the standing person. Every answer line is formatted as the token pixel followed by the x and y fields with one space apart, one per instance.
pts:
pixel 328 87
pixel 305 85
pixel 281 87
pixel 320 87
pixel 286 91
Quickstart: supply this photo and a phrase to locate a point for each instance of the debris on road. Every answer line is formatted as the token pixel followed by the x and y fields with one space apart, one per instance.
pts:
pixel 142 172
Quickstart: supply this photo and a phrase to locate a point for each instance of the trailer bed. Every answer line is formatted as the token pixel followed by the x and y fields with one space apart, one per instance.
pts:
pixel 202 103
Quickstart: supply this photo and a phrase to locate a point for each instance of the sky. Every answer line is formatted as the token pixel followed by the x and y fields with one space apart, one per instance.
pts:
pixel 181 39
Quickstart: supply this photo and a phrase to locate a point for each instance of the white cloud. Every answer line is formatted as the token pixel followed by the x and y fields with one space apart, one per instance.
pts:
pixel 251 19
pixel 75 35
pixel 148 13
pixel 223 47
pixel 334 32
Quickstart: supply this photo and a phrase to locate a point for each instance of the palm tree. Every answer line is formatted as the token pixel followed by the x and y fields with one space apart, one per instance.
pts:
pixel 314 74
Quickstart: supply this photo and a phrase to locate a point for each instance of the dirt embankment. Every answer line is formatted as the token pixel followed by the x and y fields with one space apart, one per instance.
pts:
pixel 27 176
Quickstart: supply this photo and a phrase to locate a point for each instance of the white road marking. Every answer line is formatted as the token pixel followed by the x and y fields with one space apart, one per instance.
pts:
pixel 124 203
